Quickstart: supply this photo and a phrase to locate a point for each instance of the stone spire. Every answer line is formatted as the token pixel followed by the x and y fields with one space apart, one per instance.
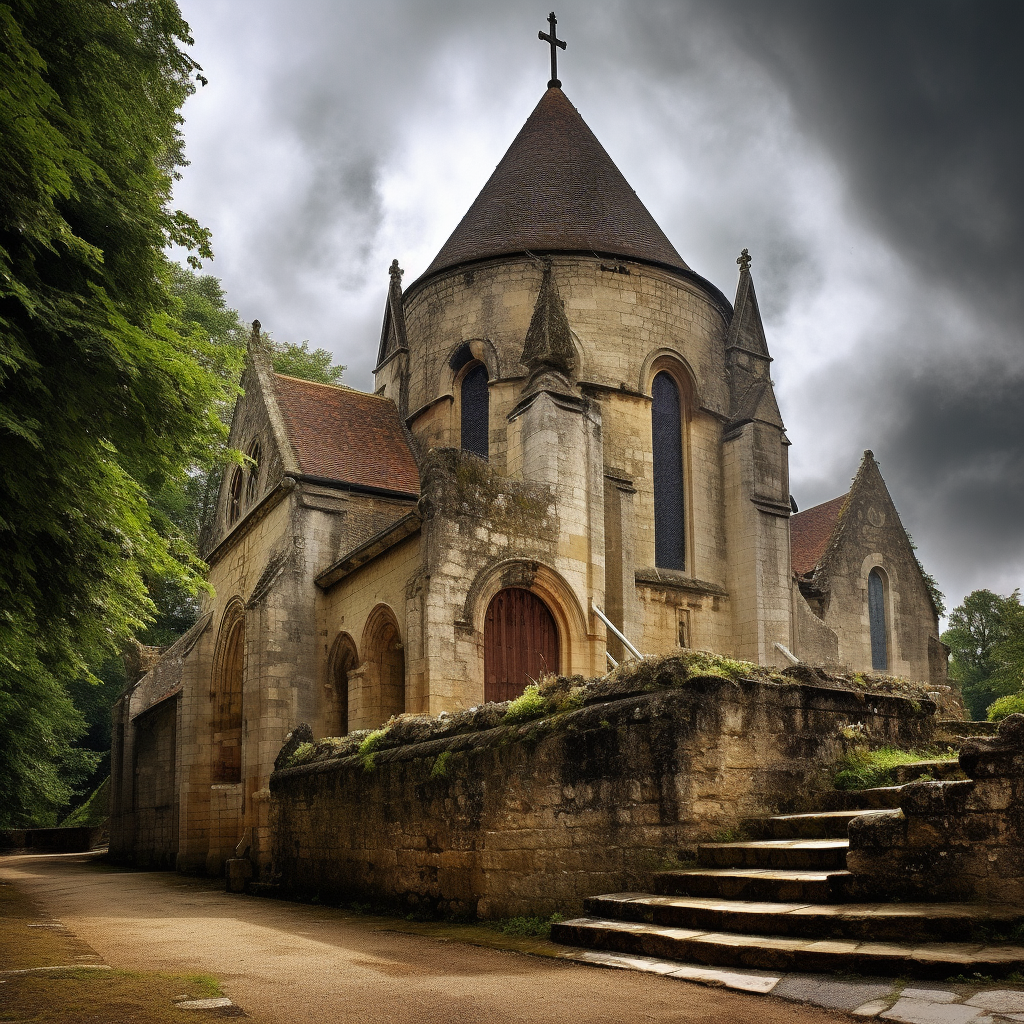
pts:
pixel 747 357
pixel 549 341
pixel 393 337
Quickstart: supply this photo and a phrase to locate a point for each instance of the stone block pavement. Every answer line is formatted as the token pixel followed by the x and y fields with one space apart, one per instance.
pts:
pixel 865 998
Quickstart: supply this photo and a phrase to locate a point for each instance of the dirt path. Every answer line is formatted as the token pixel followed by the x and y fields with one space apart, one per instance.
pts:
pixel 287 963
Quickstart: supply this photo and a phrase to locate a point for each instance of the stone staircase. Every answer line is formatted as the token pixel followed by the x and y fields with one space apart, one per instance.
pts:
pixel 781 904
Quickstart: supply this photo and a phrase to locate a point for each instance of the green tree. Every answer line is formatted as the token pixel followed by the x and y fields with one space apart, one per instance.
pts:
pixel 299 361
pixel 986 642
pixel 204 310
pixel 106 398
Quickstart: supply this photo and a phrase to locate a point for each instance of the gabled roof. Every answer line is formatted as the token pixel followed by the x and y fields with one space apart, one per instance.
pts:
pixel 557 190
pixel 344 435
pixel 811 530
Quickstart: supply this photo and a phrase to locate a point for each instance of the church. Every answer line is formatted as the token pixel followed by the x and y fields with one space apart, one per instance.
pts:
pixel 573 453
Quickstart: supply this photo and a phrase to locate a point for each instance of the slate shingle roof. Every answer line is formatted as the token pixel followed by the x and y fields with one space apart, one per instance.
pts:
pixel 346 435
pixel 557 190
pixel 810 532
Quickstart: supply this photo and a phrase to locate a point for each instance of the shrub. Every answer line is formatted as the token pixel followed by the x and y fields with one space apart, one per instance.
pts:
pixel 1011 704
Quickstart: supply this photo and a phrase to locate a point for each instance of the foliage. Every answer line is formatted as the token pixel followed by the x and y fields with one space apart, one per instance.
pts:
pixel 527 927
pixel 104 398
pixel 1001 707
pixel 932 584
pixel 866 769
pixel 368 748
pixel 298 361
pixel 986 641
pixel 204 310
pixel 94 812
pixel 528 705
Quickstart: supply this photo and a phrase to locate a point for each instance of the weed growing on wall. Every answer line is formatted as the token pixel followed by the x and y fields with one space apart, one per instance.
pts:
pixel 528 705
pixel 368 747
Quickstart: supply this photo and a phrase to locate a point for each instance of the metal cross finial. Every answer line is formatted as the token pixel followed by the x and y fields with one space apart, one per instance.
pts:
pixel 553 39
pixel 744 261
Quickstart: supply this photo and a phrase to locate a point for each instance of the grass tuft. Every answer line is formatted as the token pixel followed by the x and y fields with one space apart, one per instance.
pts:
pixel 867 769
pixel 527 706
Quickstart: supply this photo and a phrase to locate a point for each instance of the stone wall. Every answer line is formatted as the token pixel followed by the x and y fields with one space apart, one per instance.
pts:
pixel 532 818
pixel 155 826
pixel 951 840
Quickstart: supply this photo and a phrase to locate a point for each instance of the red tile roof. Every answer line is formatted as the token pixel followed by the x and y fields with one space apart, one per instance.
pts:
pixel 557 190
pixel 346 435
pixel 810 531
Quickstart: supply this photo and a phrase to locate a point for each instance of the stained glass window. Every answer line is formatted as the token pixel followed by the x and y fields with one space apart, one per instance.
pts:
pixel 475 412
pixel 667 429
pixel 876 617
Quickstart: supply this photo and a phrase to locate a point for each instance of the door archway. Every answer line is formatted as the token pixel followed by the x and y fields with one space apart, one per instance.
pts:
pixel 520 643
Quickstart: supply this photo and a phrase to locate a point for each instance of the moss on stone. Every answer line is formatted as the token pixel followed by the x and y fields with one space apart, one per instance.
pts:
pixel 551 703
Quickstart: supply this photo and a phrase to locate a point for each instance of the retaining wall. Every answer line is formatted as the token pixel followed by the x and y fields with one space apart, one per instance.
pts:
pixel 533 818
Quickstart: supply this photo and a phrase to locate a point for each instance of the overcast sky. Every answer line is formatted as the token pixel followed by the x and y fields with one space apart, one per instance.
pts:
pixel 868 154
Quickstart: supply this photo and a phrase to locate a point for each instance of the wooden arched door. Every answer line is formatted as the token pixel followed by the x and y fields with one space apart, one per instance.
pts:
pixel 520 643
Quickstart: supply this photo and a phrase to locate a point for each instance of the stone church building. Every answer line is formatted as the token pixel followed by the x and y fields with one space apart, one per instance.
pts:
pixel 568 425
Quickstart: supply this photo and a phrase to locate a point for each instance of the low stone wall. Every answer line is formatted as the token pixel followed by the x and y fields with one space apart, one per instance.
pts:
pixel 532 818
pixel 51 840
pixel 951 840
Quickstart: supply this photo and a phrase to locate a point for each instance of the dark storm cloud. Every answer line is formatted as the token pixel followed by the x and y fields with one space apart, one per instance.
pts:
pixel 869 154
pixel 921 101
pixel 922 105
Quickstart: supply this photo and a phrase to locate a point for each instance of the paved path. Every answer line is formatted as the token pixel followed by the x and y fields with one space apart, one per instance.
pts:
pixel 287 963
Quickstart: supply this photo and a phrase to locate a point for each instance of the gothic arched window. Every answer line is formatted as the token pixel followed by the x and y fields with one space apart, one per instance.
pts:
pixel 667 431
pixel 475 411
pixel 876 618
pixel 252 486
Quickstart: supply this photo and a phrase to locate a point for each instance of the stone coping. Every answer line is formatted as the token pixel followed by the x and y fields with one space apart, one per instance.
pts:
pixel 680 677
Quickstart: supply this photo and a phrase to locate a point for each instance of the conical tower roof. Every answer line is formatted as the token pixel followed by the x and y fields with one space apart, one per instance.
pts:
pixel 557 190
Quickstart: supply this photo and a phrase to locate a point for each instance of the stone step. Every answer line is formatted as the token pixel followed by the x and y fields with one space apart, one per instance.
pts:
pixel 754 884
pixel 865 922
pixel 789 854
pixel 781 953
pixel 881 798
pixel 817 825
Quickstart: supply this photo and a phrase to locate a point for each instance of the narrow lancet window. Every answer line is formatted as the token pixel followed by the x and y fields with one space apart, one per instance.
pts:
pixel 876 617
pixel 475 412
pixel 667 430
pixel 235 499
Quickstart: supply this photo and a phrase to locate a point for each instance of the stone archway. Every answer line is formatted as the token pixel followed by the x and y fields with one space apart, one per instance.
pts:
pixel 521 643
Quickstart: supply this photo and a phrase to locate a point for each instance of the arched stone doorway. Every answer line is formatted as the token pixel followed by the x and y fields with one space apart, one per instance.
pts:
pixel 229 673
pixel 520 643
pixel 343 659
